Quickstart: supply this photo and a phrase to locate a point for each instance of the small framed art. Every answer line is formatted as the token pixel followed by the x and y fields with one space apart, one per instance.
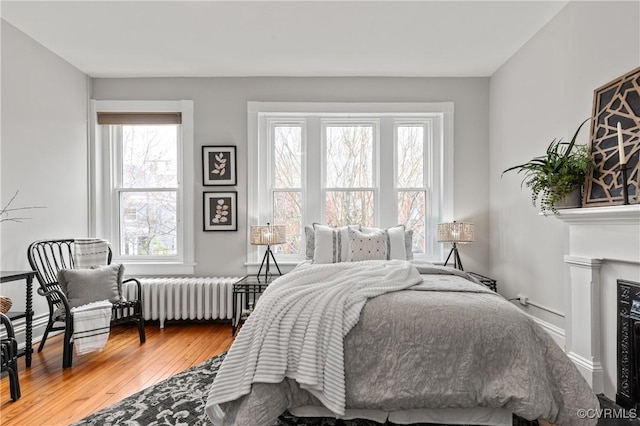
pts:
pixel 219 165
pixel 220 211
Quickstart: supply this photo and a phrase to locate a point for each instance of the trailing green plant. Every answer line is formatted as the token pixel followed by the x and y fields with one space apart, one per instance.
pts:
pixel 551 177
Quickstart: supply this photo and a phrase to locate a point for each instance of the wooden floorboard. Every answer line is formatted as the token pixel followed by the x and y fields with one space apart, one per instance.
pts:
pixel 51 396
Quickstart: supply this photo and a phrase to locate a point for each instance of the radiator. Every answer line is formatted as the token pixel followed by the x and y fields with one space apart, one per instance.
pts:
pixel 185 298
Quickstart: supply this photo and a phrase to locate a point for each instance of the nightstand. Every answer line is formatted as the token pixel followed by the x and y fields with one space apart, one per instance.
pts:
pixel 486 281
pixel 246 293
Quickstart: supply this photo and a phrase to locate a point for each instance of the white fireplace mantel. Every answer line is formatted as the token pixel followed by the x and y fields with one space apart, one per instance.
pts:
pixel 619 215
pixel 595 235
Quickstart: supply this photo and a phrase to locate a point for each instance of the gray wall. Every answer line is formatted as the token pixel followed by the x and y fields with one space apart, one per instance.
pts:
pixel 220 106
pixel 543 92
pixel 43 152
pixel 44 145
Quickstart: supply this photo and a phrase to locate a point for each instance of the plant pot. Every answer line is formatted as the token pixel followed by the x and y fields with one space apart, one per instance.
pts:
pixel 571 200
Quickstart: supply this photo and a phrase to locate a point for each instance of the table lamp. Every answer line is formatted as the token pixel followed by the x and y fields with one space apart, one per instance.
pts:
pixel 268 235
pixel 456 233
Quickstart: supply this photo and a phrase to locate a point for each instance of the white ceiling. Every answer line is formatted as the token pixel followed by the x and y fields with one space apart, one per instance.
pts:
pixel 282 38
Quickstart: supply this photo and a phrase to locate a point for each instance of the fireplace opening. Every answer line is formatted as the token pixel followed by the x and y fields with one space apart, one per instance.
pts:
pixel 628 393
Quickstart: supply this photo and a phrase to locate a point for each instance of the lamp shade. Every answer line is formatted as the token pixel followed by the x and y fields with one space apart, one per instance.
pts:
pixel 456 232
pixel 268 235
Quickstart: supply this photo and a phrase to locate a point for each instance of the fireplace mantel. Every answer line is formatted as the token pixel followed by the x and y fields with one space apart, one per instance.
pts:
pixel 595 235
pixel 619 215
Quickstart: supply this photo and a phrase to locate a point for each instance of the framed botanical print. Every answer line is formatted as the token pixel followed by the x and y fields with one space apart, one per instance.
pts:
pixel 220 211
pixel 219 165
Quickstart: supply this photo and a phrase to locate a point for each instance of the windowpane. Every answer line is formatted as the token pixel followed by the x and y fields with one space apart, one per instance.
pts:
pixel 287 163
pixel 349 161
pixel 287 210
pixel 150 156
pixel 148 223
pixel 411 213
pixel 349 207
pixel 410 156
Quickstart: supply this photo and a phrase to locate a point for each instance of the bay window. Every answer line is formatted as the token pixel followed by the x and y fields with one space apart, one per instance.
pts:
pixel 374 164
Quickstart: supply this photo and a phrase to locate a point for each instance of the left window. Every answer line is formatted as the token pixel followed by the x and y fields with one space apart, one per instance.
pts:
pixel 143 198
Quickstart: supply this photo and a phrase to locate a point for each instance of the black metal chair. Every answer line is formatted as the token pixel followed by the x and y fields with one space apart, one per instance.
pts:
pixel 47 257
pixel 9 357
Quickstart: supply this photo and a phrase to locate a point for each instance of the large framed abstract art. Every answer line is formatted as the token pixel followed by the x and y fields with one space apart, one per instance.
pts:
pixel 617 102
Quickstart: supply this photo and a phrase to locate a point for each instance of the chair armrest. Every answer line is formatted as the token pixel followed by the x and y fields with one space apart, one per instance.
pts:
pixel 8 325
pixel 59 293
pixel 138 286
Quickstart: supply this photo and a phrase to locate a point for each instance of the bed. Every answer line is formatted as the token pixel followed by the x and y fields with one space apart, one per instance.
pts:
pixel 419 343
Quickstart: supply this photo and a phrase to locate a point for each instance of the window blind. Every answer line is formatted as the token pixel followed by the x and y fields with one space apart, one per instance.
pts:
pixel 139 118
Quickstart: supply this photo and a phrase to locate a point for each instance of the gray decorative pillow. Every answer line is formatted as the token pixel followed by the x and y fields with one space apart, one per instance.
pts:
pixel 309 237
pixel 82 286
pixel 370 246
pixel 408 243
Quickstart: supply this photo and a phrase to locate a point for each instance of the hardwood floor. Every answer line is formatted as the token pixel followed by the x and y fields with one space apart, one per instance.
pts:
pixel 51 396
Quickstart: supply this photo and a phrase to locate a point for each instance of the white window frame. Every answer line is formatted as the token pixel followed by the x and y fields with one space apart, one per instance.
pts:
pixel 440 172
pixel 374 122
pixel 103 205
pixel 431 129
pixel 270 125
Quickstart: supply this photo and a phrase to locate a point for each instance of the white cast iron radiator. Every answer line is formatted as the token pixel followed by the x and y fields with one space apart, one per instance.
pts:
pixel 169 298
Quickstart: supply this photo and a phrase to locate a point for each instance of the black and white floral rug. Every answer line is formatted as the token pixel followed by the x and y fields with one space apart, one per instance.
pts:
pixel 180 400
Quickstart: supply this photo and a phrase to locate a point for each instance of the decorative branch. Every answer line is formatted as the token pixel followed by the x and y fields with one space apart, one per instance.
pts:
pixel 6 211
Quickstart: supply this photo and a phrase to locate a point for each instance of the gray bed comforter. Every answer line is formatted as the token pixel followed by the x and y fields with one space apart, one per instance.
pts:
pixel 448 342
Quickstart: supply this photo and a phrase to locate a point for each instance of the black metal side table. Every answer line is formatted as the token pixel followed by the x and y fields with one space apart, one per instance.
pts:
pixel 7 276
pixel 486 281
pixel 246 293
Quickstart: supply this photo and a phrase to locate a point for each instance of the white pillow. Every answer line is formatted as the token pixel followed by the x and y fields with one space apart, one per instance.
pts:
pixel 331 245
pixel 398 242
pixel 369 246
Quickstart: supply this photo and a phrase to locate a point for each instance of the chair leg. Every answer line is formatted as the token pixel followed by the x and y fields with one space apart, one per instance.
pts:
pixel 137 310
pixel 143 337
pixel 14 383
pixel 45 335
pixel 67 352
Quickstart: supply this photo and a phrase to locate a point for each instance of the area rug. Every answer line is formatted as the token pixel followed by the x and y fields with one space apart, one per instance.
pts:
pixel 180 400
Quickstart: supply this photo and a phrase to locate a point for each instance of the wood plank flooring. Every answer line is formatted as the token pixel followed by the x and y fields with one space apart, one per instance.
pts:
pixel 51 396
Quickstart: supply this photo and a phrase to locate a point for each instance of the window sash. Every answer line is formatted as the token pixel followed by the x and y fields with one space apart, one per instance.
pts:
pixel 374 125
pixel 270 214
pixel 173 240
pixel 117 236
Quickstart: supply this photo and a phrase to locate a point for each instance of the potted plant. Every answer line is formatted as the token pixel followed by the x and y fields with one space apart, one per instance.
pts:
pixel 557 177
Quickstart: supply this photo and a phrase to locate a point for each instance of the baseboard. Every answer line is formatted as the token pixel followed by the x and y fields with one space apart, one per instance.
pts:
pixel 556 333
pixel 591 371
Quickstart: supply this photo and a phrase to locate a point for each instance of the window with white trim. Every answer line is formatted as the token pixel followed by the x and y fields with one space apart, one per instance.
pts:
pixel 374 164
pixel 143 201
